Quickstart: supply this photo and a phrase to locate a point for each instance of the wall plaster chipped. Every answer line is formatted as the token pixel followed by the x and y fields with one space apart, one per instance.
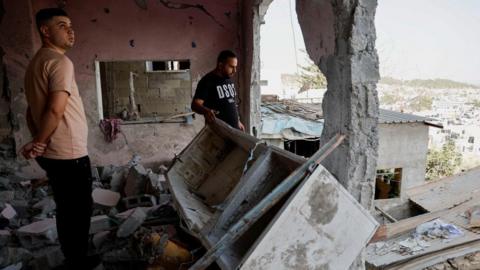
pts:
pixel 340 38
pixel 175 5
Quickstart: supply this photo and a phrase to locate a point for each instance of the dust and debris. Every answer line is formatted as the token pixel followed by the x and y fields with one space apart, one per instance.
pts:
pixel 261 262
pixel 323 200
pixel 106 10
pixel 194 45
pixel 296 257
pixel 142 229
pixel 132 43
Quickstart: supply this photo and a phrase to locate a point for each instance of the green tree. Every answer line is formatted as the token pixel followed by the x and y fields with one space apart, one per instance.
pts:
pixel 443 162
pixel 389 99
pixel 476 103
pixel 421 103
pixel 310 77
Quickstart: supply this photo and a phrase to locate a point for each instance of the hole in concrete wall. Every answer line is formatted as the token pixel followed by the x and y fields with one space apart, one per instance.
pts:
pixel 304 148
pixel 388 183
pixel 170 65
pixel 144 90
pixel 286 69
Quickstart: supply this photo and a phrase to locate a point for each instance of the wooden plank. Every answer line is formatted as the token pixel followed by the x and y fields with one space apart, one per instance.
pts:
pixel 321 227
pixel 393 258
pixel 438 257
pixel 447 192
pixel 398 228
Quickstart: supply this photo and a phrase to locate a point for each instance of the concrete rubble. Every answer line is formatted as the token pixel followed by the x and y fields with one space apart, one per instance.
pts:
pixel 143 218
pixel 133 219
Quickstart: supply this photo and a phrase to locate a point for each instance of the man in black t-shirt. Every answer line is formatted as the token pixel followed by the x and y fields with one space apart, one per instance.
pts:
pixel 216 95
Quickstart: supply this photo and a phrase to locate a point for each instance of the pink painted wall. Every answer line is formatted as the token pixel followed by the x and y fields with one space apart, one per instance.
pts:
pixel 104 29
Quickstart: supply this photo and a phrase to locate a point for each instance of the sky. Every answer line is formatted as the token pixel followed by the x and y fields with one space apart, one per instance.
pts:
pixel 422 39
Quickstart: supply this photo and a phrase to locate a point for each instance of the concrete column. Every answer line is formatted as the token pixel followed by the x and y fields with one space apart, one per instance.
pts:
pixel 253 14
pixel 340 38
pixel 350 105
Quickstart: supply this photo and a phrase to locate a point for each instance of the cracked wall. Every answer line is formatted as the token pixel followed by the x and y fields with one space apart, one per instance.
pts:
pixel 135 30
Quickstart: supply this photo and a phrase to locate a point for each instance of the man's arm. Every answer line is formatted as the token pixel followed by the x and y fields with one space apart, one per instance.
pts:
pixel 197 106
pixel 57 101
pixel 31 126
pixel 241 126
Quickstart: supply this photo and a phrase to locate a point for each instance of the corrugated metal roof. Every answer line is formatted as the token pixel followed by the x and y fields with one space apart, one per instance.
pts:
pixel 392 117
pixel 313 113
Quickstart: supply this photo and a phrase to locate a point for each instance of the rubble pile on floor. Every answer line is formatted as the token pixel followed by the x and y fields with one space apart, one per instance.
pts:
pixel 133 225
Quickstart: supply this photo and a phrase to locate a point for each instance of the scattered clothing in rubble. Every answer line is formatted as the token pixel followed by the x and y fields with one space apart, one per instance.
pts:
pixel 438 229
pixel 419 239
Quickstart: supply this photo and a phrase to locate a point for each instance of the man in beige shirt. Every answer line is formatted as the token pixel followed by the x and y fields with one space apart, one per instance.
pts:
pixel 57 122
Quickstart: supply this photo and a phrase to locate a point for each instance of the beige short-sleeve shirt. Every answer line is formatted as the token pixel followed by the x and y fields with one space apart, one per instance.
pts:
pixel 50 71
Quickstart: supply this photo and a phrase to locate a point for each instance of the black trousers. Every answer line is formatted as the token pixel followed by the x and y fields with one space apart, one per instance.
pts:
pixel 71 182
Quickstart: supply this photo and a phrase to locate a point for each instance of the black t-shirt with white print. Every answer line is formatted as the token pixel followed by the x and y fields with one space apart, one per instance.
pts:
pixel 218 93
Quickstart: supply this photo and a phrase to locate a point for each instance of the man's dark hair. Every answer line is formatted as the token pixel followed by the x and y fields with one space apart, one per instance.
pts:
pixel 224 55
pixel 46 14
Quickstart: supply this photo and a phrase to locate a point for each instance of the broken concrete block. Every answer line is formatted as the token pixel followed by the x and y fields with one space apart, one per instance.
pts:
pixel 118 180
pixel 163 169
pixel 17 266
pixel 106 172
pixel 5 237
pixel 47 258
pixel 11 255
pixel 40 193
pixel 135 160
pixel 100 223
pixel 135 183
pixel 21 207
pixel 47 205
pixel 4 182
pixel 143 200
pixel 132 223
pixel 38 234
pixel 164 198
pixel 105 197
pixel 100 238
pixel 26 183
pixel 157 181
pixel 95 174
pixel 8 212
pixel 7 196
